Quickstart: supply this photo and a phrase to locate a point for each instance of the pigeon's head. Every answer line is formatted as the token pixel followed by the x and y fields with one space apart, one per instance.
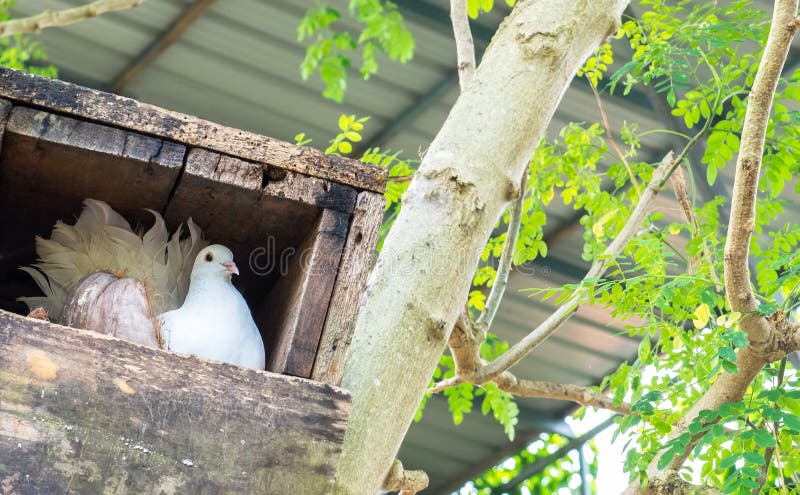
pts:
pixel 215 261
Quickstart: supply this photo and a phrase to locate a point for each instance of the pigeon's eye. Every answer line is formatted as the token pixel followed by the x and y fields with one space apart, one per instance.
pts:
pixel 209 257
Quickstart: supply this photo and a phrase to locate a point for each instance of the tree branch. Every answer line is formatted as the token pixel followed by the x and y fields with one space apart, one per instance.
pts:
pixel 460 190
pixel 465 47
pixel 748 165
pixel 504 267
pixel 767 339
pixel 406 482
pixel 611 140
pixel 571 304
pixel 678 180
pixel 49 18
pixel 465 343
pixel 585 396
pixel 679 185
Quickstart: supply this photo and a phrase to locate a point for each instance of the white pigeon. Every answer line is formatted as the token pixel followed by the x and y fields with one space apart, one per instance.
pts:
pixel 214 321
pixel 101 275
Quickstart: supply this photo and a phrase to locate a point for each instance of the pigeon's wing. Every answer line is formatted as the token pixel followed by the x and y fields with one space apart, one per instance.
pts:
pixel 111 305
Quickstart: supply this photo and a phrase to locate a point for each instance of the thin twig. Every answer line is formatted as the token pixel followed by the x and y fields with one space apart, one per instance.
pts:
pixel 504 268
pixel 571 304
pixel 465 344
pixel 50 18
pixel 465 47
pixel 611 140
pixel 585 396
pixel 770 451
pixel 679 185
pixel 681 194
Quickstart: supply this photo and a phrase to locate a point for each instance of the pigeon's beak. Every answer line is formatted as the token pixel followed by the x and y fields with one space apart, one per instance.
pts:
pixel 231 267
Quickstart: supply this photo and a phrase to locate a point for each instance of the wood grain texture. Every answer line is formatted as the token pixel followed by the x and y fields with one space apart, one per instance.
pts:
pixel 359 252
pixel 130 114
pixel 298 303
pixel 84 413
pixel 55 153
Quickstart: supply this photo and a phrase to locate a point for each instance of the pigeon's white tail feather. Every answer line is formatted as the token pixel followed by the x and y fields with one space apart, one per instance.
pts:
pixel 101 240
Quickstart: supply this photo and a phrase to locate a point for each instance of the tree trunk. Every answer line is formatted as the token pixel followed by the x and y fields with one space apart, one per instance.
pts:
pixel 472 169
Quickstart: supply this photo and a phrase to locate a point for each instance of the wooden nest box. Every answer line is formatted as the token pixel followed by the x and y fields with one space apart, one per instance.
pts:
pixel 85 413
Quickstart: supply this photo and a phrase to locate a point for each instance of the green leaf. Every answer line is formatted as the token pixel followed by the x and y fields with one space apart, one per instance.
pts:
pixel 729 461
pixel 671 97
pixel 353 136
pixel 476 300
pixel 666 458
pixel 730 367
pixel 754 458
pixel 750 472
pixel 345 147
pixel 791 421
pixel 711 174
pixel 727 353
pixel 764 439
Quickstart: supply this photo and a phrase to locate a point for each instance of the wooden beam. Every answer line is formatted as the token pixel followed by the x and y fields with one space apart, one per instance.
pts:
pixel 118 111
pixel 81 412
pixel 160 44
pixel 351 280
pixel 298 304
pixel 51 163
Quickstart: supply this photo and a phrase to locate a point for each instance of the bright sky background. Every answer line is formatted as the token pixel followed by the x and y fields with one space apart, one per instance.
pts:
pixel 610 477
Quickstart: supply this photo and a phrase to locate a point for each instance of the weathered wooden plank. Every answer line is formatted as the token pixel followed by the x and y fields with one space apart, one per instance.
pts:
pixel 86 413
pixel 298 303
pixel 309 190
pixel 130 114
pixel 351 280
pixel 5 111
pixel 260 183
pixel 51 151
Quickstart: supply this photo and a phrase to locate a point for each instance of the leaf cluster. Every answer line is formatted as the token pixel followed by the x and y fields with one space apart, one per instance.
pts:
pixel 382 31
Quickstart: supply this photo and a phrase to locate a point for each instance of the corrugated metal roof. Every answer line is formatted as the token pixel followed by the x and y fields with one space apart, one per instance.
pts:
pixel 238 64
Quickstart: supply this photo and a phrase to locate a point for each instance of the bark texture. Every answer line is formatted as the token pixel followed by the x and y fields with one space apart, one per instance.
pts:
pixel 471 171
pixel 670 483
